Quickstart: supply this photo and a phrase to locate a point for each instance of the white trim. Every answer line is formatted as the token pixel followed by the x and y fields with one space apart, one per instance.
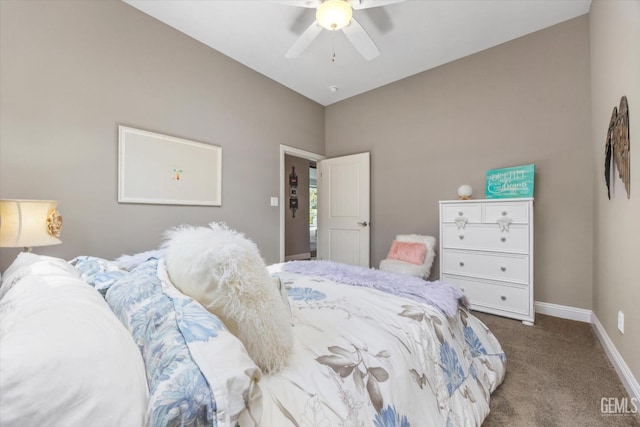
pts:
pixel 625 374
pixel 563 311
pixel 588 316
pixel 302 256
pixel 292 151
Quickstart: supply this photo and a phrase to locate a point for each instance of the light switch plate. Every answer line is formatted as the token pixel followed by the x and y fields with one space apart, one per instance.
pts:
pixel 274 201
pixel 621 321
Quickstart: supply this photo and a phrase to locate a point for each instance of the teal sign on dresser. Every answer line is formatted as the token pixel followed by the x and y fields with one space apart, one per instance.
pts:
pixel 511 182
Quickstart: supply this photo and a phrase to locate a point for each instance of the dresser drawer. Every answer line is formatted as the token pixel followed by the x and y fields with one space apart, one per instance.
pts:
pixel 486 237
pixel 508 268
pixel 472 212
pixel 505 297
pixel 516 212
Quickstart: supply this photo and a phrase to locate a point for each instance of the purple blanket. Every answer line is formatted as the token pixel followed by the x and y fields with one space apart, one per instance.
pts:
pixel 441 295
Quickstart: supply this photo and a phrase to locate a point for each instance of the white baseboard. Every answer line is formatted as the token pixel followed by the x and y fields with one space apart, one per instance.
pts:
pixel 625 374
pixel 583 315
pixel 563 311
pixel 302 256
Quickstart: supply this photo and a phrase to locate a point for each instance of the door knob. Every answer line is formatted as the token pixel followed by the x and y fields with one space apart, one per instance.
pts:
pixel 363 223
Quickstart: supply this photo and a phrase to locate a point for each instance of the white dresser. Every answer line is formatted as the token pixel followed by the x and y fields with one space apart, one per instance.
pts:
pixel 486 248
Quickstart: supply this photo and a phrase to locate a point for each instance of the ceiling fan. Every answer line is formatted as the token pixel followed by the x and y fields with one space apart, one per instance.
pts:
pixel 337 15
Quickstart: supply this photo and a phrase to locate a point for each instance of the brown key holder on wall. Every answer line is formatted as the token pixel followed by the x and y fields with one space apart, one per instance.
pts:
pixel 293 191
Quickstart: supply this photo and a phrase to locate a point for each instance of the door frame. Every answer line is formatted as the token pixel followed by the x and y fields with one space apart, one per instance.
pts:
pixel 296 152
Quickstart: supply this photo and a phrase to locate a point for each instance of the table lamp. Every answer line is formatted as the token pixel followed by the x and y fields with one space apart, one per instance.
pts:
pixel 28 223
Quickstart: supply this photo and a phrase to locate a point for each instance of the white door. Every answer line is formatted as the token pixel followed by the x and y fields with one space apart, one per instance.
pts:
pixel 343 209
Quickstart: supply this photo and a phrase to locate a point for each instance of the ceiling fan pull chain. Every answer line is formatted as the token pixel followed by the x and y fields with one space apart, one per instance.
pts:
pixel 333 46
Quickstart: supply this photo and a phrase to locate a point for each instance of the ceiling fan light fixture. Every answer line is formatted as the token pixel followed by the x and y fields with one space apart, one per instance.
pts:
pixel 334 14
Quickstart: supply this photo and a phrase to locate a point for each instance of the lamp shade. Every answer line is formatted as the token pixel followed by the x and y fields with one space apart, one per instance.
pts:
pixel 334 14
pixel 27 223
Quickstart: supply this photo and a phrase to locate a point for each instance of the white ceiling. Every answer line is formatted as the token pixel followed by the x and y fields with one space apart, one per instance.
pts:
pixel 413 36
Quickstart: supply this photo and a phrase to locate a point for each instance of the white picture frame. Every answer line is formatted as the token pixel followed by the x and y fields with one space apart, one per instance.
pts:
pixel 160 169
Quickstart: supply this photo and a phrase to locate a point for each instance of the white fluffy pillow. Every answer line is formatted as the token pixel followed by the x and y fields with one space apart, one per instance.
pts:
pixel 402 267
pixel 223 270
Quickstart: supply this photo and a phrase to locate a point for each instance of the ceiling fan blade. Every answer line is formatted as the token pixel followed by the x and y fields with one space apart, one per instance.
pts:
pixel 361 40
pixel 367 4
pixel 305 40
pixel 301 23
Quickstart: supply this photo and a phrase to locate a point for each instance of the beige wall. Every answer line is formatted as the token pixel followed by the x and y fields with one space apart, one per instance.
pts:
pixel 526 101
pixel 296 234
pixel 72 71
pixel 615 71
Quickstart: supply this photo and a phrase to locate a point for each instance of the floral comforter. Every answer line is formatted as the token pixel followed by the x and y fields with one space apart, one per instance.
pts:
pixel 362 357
pixel 198 373
pixel 367 358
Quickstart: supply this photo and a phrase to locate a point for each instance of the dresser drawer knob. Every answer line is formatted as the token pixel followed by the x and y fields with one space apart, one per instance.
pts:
pixel 461 264
pixel 460 221
pixel 503 298
pixel 503 239
pixel 461 237
pixel 460 213
pixel 503 268
pixel 504 213
pixel 503 223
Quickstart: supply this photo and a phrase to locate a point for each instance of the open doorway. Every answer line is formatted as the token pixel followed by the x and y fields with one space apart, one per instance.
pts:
pixel 298 213
pixel 301 213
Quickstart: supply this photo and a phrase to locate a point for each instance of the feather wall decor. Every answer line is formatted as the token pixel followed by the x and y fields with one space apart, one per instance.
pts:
pixel 618 147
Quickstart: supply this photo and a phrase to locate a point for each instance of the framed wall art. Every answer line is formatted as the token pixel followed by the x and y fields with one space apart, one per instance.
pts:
pixel 510 182
pixel 160 169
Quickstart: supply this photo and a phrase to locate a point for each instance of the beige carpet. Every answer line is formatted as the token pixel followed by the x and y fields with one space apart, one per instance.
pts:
pixel 557 375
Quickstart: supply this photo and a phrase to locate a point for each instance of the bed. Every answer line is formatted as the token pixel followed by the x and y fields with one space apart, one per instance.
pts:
pixel 361 355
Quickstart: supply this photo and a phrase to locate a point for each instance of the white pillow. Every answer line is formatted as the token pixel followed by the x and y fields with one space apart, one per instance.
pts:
pixel 27 263
pixel 283 293
pixel 18 269
pixel 423 270
pixel 223 270
pixel 65 358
